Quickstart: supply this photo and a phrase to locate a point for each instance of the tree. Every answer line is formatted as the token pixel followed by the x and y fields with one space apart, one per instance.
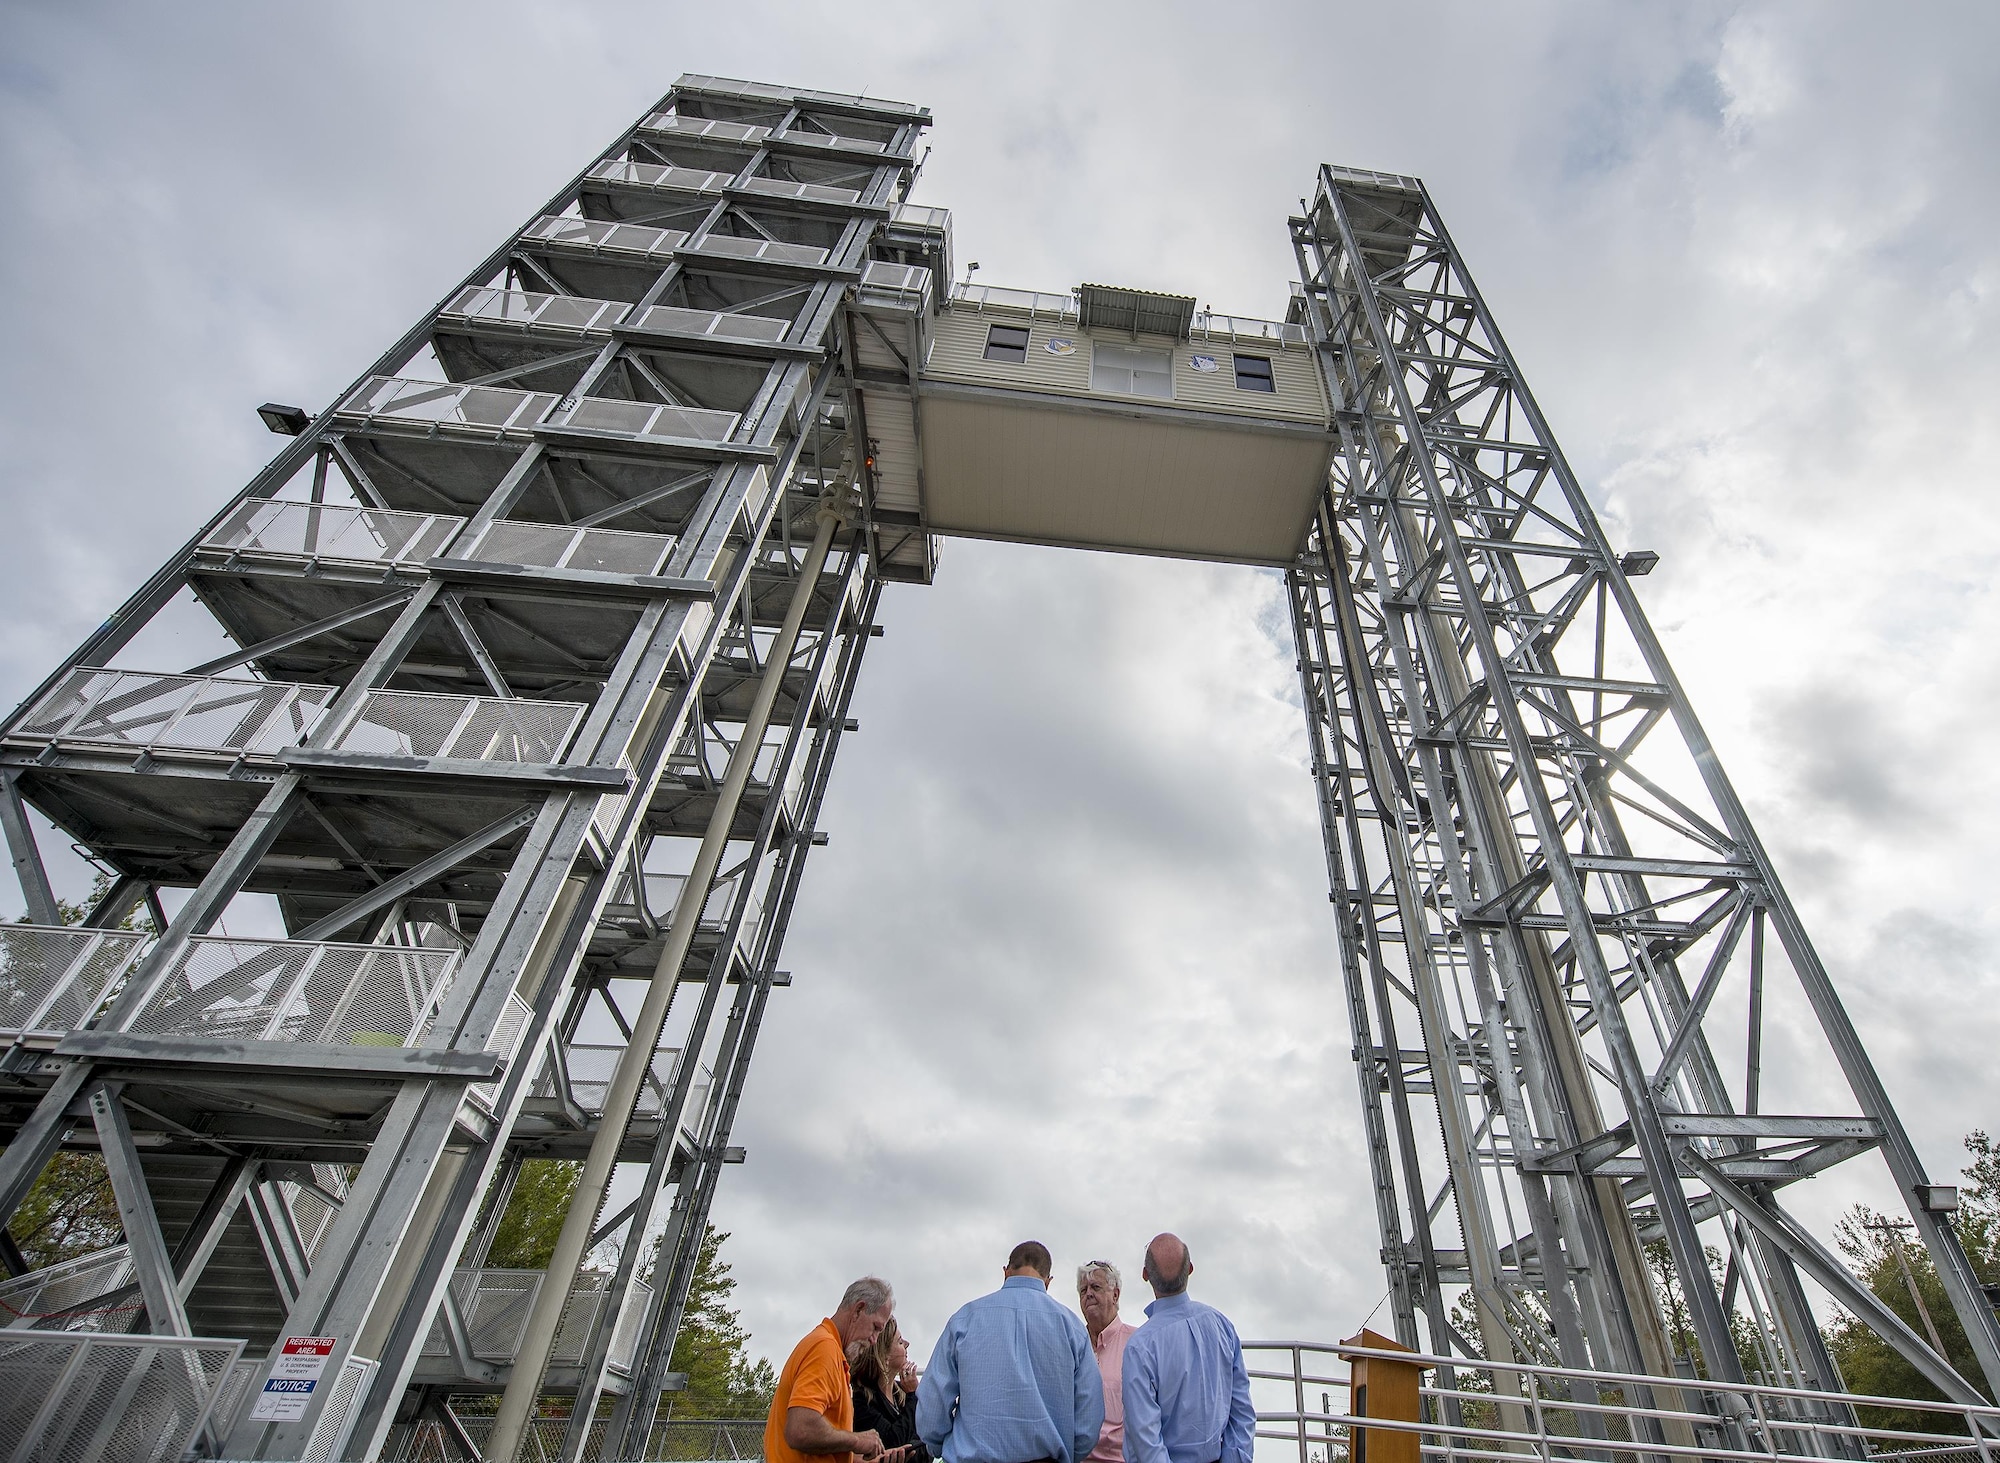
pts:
pixel 526 1237
pixel 712 1346
pixel 1867 1362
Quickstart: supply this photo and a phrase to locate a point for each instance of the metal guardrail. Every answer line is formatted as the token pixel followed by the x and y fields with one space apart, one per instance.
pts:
pixel 644 419
pixel 1245 328
pixel 663 892
pixel 494 1306
pixel 593 233
pixel 909 283
pixel 492 408
pixel 718 324
pixel 562 546
pixel 107 1399
pixel 1367 176
pixel 468 728
pixel 656 175
pixel 230 989
pixel 712 128
pixel 146 709
pixel 1510 1412
pixel 47 1299
pixel 572 313
pixel 918 216
pixel 590 1068
pixel 809 192
pixel 766 249
pixel 53 980
pixel 289 529
pixel 1036 303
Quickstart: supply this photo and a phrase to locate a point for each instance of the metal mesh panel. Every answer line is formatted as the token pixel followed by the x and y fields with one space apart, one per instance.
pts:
pixel 712 322
pixel 494 1305
pixel 418 724
pixel 433 401
pixel 764 249
pixel 53 980
pixel 524 307
pixel 336 1418
pixel 704 127
pixel 556 546
pixel 46 1298
pixel 321 531
pixel 590 1067
pixel 601 234
pixel 95 1399
pixel 140 709
pixel 297 990
pixel 653 175
pixel 818 192
pixel 647 419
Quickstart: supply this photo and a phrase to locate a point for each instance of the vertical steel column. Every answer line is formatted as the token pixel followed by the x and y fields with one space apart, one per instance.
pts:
pixel 621 1095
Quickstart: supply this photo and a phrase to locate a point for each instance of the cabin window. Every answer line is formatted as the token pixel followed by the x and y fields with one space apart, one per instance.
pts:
pixel 1007 343
pixel 1253 373
pixel 1131 371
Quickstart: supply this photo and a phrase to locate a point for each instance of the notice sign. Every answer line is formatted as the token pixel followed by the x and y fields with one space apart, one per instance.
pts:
pixel 295 1372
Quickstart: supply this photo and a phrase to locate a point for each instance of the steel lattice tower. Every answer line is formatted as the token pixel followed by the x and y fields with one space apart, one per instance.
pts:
pixel 546 633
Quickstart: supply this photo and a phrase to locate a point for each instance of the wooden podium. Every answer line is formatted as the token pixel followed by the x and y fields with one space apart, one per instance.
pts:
pixel 1379 1387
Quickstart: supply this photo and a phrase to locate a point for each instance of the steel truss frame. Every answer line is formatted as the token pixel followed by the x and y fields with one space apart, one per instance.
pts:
pixel 1546 888
pixel 763 520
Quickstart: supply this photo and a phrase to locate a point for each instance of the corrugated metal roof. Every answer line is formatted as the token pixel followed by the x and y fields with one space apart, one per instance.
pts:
pixel 1139 311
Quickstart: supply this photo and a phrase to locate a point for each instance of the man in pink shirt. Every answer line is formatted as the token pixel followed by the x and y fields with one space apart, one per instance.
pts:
pixel 1097 1295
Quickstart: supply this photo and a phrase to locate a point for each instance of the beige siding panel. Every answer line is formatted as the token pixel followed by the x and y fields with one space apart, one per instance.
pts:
pixel 958 347
pixel 1000 469
pixel 891 426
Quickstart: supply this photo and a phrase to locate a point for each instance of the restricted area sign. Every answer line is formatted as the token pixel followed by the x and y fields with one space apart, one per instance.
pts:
pixel 295 1372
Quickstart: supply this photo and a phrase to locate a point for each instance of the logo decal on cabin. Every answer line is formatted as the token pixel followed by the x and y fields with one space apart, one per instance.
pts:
pixel 1059 345
pixel 1204 363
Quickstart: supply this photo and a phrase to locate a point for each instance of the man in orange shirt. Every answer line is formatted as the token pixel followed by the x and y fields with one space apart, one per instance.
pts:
pixel 812 1413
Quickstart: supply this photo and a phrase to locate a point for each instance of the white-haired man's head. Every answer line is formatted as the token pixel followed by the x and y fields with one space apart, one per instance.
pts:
pixel 1097 1293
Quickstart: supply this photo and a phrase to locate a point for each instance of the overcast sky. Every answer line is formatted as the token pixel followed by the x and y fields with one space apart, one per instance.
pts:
pixel 1065 969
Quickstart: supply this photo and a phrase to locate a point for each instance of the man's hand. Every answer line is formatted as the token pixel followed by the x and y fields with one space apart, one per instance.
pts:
pixel 810 1432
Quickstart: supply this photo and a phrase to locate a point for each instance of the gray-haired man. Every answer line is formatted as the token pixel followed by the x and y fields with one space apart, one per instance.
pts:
pixel 1097 1295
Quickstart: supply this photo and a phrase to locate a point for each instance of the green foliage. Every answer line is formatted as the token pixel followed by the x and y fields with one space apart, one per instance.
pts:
pixel 712 1346
pixel 1869 1364
pixel 69 1212
pixel 526 1238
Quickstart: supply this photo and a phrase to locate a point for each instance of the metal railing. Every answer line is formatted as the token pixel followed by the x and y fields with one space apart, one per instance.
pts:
pixel 563 546
pixel 574 314
pixel 107 1399
pixel 663 892
pixel 809 192
pixel 496 409
pixel 53 980
pixel 1400 181
pixel 714 129
pixel 1036 303
pixel 494 1306
pixel 1505 1413
pixel 918 216
pixel 645 419
pixel 719 324
pixel 224 988
pixel 596 233
pixel 146 709
pixel 1245 328
pixel 591 1064
pixel 767 249
pixel 910 283
pixel 288 529
pixel 656 175
pixel 470 728
pixel 47 1299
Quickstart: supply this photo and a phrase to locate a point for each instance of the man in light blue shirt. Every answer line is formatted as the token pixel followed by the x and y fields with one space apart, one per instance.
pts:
pixel 1013 1378
pixel 1187 1392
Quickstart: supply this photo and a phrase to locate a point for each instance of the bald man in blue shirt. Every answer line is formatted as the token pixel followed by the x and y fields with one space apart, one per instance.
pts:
pixel 1013 1378
pixel 1187 1391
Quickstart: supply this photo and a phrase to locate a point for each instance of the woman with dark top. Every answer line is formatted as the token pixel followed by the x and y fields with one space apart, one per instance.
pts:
pixel 885 1397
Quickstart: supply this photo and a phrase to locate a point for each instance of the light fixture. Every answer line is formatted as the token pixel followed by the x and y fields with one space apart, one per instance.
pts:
pixel 1639 561
pixel 286 421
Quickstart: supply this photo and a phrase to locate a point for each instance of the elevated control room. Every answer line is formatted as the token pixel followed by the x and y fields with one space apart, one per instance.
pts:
pixel 1103 418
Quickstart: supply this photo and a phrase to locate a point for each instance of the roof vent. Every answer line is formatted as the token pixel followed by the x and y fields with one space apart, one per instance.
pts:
pixel 1141 312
